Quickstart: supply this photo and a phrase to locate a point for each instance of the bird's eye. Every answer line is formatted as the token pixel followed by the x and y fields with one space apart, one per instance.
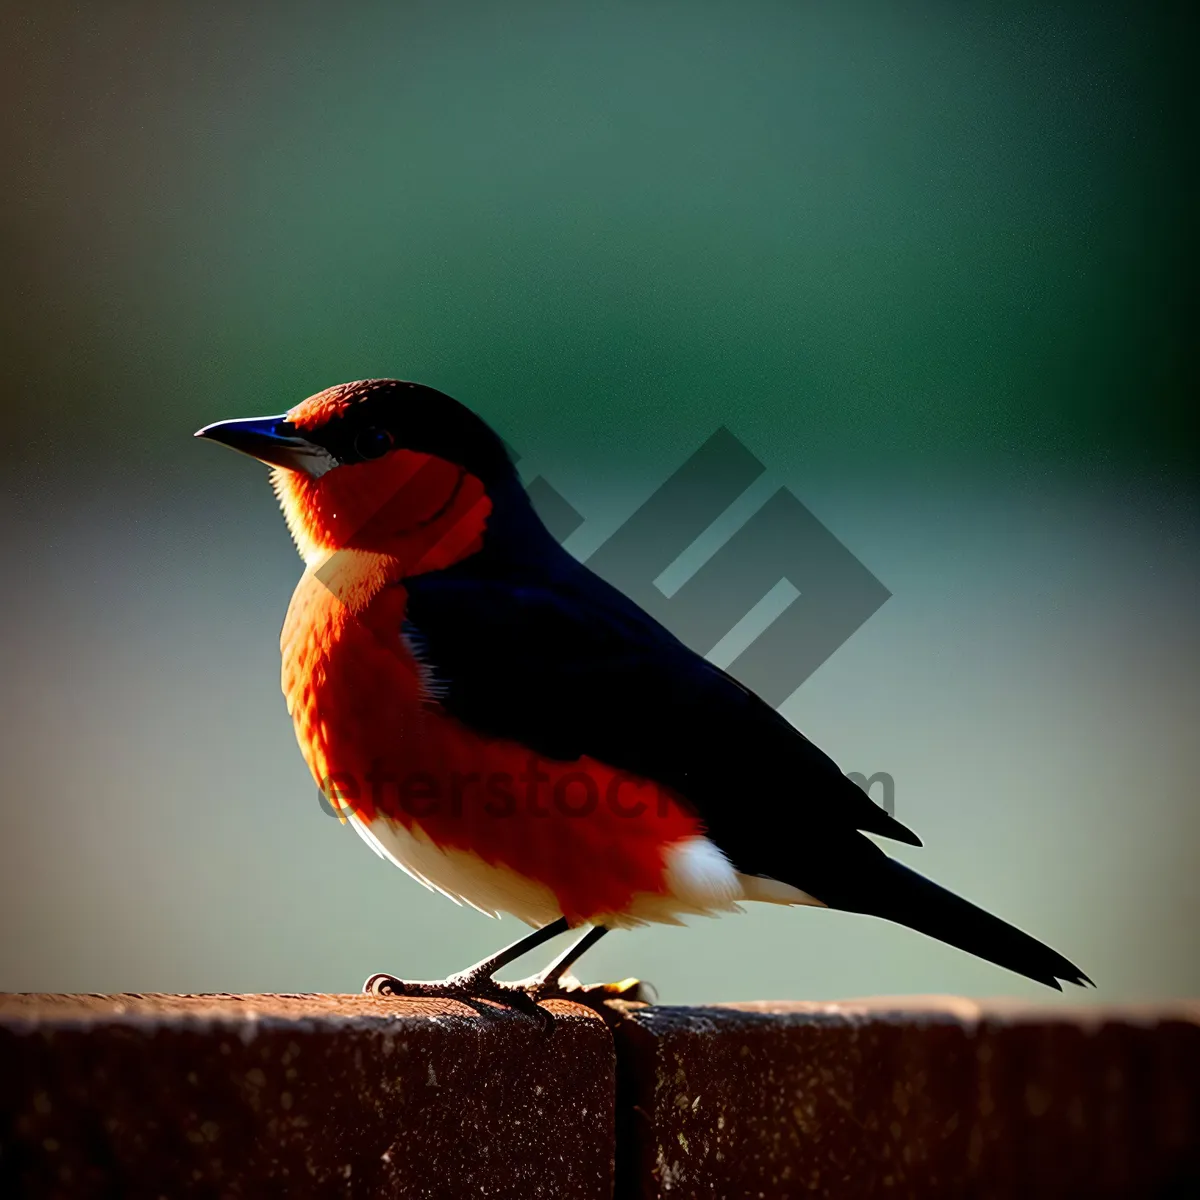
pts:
pixel 373 442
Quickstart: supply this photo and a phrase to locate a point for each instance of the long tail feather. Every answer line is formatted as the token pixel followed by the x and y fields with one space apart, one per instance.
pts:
pixel 901 895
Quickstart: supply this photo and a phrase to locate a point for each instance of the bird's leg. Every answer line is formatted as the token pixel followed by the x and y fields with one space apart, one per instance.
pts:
pixel 553 975
pixel 475 982
pixel 478 982
pixel 554 982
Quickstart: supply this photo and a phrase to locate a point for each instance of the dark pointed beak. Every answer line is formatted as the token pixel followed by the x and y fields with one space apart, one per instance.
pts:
pixel 272 440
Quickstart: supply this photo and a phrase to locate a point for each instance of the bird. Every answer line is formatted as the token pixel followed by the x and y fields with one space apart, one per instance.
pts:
pixel 517 734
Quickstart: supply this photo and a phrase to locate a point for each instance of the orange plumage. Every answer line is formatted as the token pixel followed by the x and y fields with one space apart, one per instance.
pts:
pixel 574 838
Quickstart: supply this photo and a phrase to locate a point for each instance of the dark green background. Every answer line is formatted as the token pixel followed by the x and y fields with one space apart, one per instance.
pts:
pixel 930 262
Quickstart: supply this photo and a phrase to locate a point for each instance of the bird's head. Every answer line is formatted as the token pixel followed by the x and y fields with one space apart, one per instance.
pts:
pixel 378 465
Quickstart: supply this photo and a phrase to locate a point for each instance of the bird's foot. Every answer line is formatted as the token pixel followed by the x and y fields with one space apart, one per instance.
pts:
pixel 591 994
pixel 524 995
pixel 465 986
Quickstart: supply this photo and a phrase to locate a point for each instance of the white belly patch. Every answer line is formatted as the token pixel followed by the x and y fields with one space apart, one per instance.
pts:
pixel 699 880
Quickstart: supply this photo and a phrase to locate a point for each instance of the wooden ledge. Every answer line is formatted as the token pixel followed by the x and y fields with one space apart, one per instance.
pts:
pixel 285 1095
pixel 910 1096
pixel 278 1095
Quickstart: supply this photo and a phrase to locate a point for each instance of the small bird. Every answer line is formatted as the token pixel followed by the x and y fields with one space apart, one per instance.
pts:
pixel 517 734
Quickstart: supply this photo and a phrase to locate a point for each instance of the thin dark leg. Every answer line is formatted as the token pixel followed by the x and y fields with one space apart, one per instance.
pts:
pixel 473 979
pixel 531 941
pixel 477 982
pixel 570 956
pixel 555 982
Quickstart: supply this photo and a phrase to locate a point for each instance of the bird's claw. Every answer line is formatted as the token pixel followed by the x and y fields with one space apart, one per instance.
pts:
pixel 525 995
pixel 385 986
pixel 591 994
pixel 465 988
pixel 636 991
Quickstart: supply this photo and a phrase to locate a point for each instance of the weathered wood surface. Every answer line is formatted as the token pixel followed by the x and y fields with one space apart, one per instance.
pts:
pixel 295 1096
pixel 261 1096
pixel 911 1097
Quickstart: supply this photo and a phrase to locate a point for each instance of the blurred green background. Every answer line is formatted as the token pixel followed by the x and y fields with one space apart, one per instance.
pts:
pixel 929 261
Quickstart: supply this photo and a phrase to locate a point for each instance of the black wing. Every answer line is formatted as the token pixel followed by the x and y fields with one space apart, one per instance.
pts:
pixel 566 665
pixel 569 666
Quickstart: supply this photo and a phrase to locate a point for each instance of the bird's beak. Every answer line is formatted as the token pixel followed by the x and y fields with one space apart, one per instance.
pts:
pixel 272 440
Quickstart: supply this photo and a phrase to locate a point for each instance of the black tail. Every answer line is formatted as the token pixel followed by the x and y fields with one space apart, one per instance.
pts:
pixel 902 895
